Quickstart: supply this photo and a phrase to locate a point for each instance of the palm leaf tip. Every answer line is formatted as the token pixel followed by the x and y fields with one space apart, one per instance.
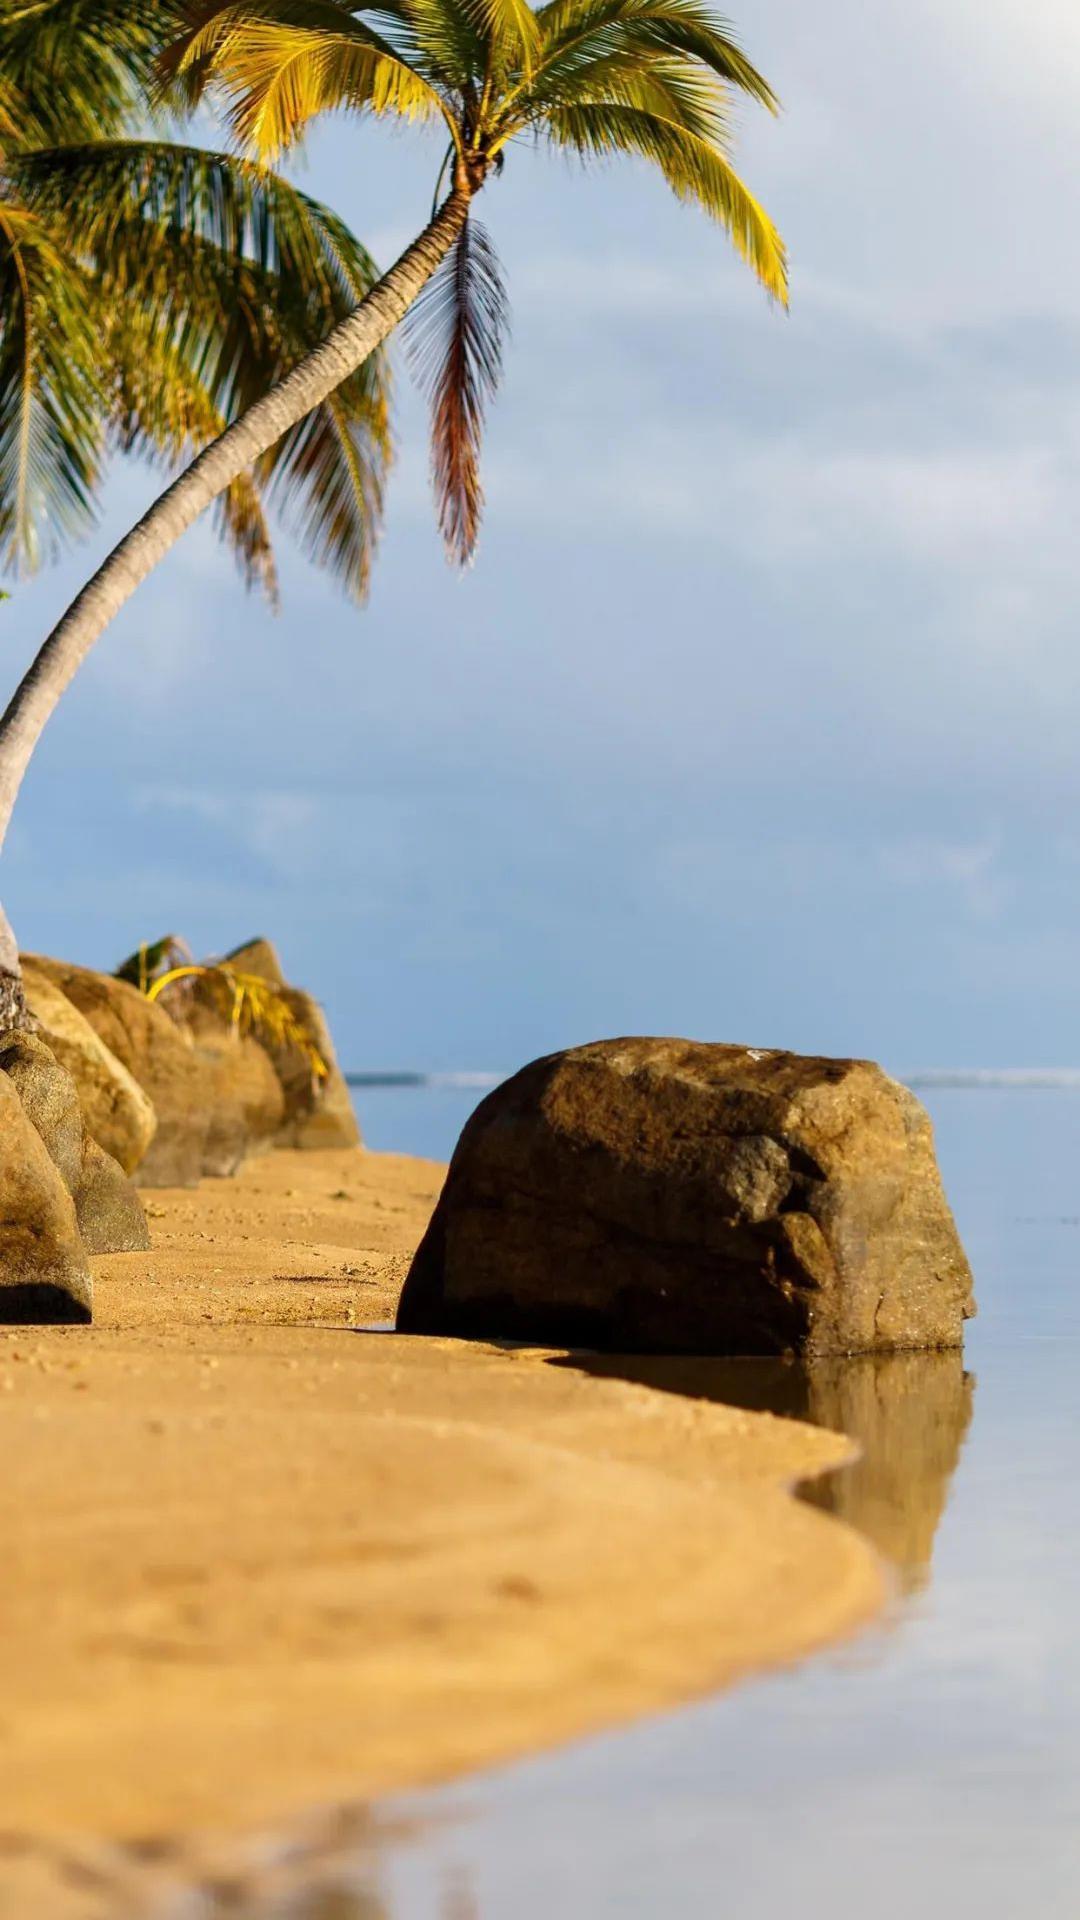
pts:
pixel 456 335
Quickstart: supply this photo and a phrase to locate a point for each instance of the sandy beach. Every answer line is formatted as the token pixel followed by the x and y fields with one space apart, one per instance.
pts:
pixel 259 1560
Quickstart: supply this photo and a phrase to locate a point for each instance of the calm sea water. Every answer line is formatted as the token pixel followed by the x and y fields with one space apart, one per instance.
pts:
pixel 933 1766
pixel 425 1117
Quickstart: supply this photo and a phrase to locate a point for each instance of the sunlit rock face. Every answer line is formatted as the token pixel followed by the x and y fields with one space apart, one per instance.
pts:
pixel 118 1113
pixel 140 1034
pixel 671 1196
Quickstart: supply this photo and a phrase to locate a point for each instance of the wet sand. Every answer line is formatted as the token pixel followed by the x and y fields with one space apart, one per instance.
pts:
pixel 257 1561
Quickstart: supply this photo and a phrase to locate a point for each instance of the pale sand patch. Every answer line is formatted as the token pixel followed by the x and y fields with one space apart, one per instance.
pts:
pixel 254 1560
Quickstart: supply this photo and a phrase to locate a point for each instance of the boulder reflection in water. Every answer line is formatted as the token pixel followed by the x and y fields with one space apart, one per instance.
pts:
pixel 908 1412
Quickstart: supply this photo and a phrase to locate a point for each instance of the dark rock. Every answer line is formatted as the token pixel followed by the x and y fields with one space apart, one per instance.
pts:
pixel 44 1277
pixel 669 1196
pixel 107 1208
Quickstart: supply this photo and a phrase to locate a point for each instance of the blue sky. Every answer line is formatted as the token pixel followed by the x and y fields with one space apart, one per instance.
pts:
pixel 756 719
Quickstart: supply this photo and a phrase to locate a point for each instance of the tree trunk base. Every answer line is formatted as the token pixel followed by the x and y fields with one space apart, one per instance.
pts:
pixel 15 1015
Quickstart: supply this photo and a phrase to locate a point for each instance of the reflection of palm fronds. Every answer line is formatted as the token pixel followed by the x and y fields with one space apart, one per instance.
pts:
pixel 245 1001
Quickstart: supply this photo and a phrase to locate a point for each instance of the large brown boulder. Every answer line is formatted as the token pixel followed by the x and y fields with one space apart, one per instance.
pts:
pixel 118 1113
pixel 671 1196
pixel 315 1116
pixel 43 1272
pixel 107 1208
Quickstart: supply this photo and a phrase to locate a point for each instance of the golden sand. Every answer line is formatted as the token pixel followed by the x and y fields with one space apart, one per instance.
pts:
pixel 257 1560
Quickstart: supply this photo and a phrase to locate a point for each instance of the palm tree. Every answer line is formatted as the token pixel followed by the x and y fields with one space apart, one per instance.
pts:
pixel 652 79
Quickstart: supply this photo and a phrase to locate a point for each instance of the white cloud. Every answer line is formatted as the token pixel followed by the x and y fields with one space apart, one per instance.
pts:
pixel 278 826
pixel 968 871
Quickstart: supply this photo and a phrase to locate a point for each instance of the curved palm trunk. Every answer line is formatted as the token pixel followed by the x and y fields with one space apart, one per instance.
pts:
pixel 139 552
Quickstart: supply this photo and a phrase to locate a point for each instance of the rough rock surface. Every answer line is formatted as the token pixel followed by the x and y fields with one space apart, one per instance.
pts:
pixel 158 1056
pixel 218 1096
pixel 666 1195
pixel 246 1102
pixel 312 1120
pixel 107 1208
pixel 118 1114
pixel 43 1272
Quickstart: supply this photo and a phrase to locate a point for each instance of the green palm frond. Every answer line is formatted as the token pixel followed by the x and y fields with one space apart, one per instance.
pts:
pixel 456 335
pixel 149 292
pixel 164 411
pixel 51 434
pixel 509 30
pixel 153 291
pixel 80 68
pixel 153 958
pixel 648 79
pixel 120 200
pixel 225 276
pixel 325 481
pixel 445 41
pixel 665 86
pixel 578 31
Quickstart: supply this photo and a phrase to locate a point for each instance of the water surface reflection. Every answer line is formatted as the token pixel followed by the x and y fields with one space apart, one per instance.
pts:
pixel 908 1412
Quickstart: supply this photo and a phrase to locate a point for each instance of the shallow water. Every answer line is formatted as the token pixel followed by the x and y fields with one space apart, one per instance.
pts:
pixel 932 1766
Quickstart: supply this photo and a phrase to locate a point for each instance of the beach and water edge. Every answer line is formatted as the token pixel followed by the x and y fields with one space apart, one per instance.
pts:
pixel 264 1560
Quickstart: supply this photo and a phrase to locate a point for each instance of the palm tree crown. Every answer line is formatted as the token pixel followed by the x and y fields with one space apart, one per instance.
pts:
pixel 149 291
pixel 655 79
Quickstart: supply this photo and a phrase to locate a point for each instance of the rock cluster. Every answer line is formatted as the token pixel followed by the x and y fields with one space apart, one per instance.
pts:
pixel 669 1196
pixel 111 1092
pixel 213 1097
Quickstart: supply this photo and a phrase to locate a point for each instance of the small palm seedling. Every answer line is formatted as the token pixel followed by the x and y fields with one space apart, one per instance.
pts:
pixel 244 1002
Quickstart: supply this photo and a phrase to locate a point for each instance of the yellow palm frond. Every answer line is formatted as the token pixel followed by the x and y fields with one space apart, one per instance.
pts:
pixel 695 169
pixel 584 29
pixel 282 63
pixel 248 1004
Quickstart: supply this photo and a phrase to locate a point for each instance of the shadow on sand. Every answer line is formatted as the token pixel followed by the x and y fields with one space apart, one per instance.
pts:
pixel 909 1413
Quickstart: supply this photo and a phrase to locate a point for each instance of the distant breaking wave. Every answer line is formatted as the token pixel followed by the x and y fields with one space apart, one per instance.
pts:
pixel 931 1077
pixel 925 1080
pixel 474 1080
